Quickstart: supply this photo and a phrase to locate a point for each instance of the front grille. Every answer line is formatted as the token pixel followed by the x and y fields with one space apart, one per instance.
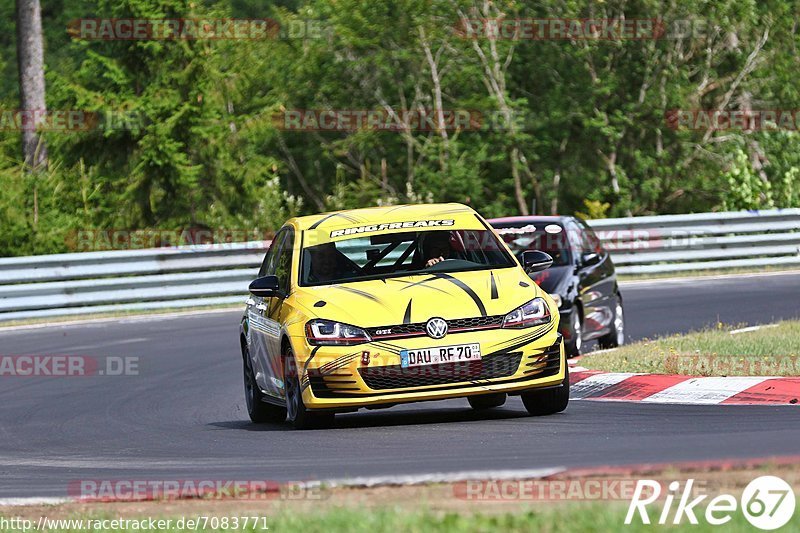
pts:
pixel 545 363
pixel 398 330
pixel 397 377
pixel 418 329
pixel 331 385
pixel 476 322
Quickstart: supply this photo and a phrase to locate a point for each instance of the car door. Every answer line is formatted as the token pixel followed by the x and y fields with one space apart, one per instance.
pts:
pixel 595 281
pixel 276 312
pixel 606 274
pixel 259 334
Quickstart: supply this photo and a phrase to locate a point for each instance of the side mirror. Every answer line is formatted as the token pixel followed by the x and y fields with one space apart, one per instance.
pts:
pixel 536 261
pixel 265 287
pixel 590 258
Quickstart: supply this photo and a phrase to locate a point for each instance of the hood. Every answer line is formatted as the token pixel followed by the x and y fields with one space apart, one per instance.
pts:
pixel 412 299
pixel 554 279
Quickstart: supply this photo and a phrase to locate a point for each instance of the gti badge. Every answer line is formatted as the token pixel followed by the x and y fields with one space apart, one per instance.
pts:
pixel 436 328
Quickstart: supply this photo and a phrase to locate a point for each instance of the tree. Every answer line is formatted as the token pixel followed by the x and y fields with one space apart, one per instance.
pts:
pixel 30 58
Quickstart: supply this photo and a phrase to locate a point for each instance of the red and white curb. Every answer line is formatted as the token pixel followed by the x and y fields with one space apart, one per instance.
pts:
pixel 588 384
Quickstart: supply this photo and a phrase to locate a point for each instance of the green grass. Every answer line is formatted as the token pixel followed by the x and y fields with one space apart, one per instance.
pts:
pixel 550 518
pixel 770 351
pixel 594 517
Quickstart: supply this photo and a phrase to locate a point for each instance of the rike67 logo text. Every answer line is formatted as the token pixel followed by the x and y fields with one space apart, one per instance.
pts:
pixel 768 502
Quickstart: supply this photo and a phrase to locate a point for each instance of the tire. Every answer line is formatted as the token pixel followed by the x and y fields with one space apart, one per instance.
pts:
pixel 297 414
pixel 572 347
pixel 615 337
pixel 548 401
pixel 487 401
pixel 259 411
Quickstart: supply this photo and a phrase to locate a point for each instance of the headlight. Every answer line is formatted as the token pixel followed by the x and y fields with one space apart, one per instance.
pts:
pixel 330 333
pixel 532 313
pixel 557 299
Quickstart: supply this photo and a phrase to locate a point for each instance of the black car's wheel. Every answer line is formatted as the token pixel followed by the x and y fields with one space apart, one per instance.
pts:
pixel 573 345
pixel 258 410
pixel 548 401
pixel 487 401
pixel 298 415
pixel 615 337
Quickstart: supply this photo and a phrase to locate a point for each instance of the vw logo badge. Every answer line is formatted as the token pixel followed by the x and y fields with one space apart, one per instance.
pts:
pixel 436 328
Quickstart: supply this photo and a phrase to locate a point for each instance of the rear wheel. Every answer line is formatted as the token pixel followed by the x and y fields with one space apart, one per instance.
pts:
pixel 298 415
pixel 487 401
pixel 257 409
pixel 573 345
pixel 548 401
pixel 615 337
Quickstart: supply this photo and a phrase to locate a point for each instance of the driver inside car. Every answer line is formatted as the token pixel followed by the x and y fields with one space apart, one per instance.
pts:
pixel 325 263
pixel 436 247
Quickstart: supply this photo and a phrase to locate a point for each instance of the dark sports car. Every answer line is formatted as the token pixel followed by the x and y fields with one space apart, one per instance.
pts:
pixel 582 280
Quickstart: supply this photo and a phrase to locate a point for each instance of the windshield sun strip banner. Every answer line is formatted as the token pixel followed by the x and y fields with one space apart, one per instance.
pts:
pixel 346 231
pixel 389 226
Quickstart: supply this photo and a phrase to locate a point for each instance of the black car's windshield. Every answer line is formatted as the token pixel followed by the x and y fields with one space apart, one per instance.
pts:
pixel 545 236
pixel 402 254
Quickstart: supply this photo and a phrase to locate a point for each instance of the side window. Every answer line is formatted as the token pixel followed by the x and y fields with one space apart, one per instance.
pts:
pixel 579 240
pixel 586 244
pixel 576 239
pixel 590 242
pixel 268 265
pixel 283 265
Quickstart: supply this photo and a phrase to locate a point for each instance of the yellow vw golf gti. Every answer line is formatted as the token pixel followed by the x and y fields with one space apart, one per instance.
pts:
pixel 374 307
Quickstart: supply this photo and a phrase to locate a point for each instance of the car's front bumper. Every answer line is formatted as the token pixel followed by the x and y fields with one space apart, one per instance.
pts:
pixel 341 378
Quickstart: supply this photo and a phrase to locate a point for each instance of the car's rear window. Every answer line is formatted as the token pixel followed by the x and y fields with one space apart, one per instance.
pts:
pixel 548 237
pixel 402 254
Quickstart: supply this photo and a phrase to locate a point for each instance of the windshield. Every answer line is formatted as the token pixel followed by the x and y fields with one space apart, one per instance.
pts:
pixel 402 254
pixel 544 236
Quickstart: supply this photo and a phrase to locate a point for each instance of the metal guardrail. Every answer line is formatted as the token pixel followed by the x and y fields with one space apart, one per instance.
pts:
pixel 193 276
pixel 703 241
pixel 99 282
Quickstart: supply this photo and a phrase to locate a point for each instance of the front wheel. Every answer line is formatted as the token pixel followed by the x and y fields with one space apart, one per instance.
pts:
pixel 548 401
pixel 298 415
pixel 257 409
pixel 615 337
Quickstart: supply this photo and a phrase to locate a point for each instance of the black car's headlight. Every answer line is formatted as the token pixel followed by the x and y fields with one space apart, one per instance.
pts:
pixel 533 313
pixel 557 299
pixel 329 333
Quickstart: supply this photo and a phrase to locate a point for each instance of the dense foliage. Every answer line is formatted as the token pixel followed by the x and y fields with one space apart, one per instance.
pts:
pixel 190 138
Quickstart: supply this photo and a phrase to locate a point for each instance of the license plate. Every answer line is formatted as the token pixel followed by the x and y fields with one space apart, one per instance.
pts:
pixel 443 354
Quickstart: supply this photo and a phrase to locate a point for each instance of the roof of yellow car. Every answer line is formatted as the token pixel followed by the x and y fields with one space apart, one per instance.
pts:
pixel 376 215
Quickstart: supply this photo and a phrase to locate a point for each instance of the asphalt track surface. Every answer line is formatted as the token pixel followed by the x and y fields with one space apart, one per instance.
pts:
pixel 183 417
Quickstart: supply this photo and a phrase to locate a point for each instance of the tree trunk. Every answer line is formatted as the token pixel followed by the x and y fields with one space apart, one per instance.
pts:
pixel 519 194
pixel 30 60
